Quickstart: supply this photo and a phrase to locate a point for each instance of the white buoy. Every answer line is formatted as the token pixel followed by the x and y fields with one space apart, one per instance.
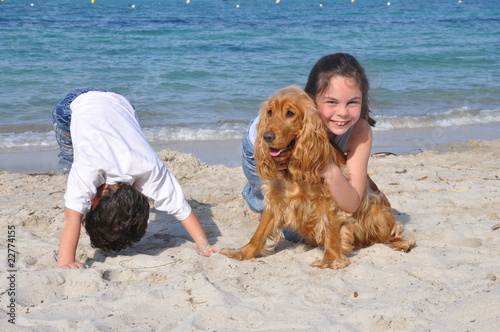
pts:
pixel 321 5
pixel 32 4
pixel 277 1
pixel 133 6
pixel 237 6
pixel 188 2
pixel 388 4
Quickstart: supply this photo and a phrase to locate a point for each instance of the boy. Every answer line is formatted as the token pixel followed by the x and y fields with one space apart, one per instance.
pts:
pixel 112 172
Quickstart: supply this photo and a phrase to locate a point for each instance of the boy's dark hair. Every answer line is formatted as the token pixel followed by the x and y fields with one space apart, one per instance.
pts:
pixel 339 64
pixel 120 219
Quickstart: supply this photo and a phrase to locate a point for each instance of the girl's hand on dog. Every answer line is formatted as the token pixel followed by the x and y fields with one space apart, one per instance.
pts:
pixel 326 172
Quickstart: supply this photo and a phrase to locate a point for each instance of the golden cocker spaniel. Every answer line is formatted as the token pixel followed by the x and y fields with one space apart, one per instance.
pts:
pixel 291 149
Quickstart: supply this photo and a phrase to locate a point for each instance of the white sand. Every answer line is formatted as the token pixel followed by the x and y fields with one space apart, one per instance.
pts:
pixel 448 200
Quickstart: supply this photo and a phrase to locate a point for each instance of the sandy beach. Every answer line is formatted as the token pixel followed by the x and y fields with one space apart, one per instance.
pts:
pixel 448 199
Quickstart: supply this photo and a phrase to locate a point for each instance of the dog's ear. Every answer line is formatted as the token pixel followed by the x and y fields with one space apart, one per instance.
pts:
pixel 266 167
pixel 312 146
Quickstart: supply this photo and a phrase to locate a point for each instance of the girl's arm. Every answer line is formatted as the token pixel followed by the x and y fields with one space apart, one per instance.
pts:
pixel 349 192
pixel 70 235
pixel 195 230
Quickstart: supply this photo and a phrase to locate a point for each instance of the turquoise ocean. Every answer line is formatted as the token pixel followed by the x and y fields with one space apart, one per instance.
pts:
pixel 198 70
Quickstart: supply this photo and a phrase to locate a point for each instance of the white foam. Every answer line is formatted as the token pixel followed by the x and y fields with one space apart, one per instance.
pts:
pixel 31 140
pixel 450 118
pixel 36 140
pixel 210 132
pixel 27 140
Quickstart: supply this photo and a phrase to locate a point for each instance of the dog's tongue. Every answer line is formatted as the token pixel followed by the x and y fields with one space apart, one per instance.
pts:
pixel 275 152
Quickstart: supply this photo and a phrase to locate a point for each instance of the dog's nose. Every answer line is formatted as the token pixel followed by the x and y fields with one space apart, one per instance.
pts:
pixel 269 136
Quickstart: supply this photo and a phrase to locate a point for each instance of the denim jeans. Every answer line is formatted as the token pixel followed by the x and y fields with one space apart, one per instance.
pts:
pixel 252 192
pixel 61 119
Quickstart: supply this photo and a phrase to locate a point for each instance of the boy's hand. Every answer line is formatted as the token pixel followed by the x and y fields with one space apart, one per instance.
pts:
pixel 74 265
pixel 207 252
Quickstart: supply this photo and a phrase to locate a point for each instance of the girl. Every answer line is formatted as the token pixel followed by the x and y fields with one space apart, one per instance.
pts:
pixel 339 86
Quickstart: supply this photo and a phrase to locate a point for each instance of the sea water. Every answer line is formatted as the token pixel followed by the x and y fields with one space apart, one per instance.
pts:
pixel 199 70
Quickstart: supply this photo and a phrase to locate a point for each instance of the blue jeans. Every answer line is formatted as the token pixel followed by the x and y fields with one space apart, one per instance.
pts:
pixel 61 119
pixel 252 192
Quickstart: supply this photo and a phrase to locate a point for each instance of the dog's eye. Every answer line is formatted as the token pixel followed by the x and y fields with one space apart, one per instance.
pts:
pixel 290 114
pixel 270 112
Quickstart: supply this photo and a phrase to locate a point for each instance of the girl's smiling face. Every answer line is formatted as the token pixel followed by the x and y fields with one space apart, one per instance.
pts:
pixel 340 105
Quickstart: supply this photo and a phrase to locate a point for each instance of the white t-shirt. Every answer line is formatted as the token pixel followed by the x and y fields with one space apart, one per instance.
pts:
pixel 109 147
pixel 252 132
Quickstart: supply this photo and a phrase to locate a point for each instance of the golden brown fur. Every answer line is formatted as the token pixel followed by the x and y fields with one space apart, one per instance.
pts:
pixel 298 198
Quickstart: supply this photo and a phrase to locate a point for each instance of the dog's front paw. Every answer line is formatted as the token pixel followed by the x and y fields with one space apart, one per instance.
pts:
pixel 232 253
pixel 246 252
pixel 329 264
